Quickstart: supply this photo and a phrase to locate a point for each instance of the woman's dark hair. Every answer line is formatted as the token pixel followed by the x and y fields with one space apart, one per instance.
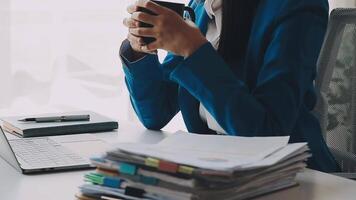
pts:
pixel 237 23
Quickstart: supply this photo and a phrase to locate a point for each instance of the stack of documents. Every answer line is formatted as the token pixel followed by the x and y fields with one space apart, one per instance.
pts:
pixel 190 166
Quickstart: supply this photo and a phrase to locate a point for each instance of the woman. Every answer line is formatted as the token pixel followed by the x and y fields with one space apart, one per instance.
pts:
pixel 246 69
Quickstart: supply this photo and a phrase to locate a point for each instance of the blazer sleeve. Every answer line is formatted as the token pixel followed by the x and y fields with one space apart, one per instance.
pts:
pixel 286 74
pixel 152 96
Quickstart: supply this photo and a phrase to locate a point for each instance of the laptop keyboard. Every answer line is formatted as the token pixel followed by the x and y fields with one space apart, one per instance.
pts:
pixel 44 152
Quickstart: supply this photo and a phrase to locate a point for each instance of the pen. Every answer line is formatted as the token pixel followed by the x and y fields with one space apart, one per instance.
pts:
pixel 66 118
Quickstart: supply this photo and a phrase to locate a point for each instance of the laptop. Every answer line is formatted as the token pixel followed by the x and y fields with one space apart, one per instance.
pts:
pixel 41 154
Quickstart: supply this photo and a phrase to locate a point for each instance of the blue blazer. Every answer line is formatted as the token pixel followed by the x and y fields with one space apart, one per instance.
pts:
pixel 269 93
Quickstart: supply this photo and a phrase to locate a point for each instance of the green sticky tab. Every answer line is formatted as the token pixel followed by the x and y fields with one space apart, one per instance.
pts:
pixel 94 179
pixel 185 170
pixel 97 174
pixel 148 180
pixel 151 162
pixel 126 168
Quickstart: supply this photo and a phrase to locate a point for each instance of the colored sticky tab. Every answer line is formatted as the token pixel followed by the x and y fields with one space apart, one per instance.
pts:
pixel 168 166
pixel 135 192
pixel 111 182
pixel 106 172
pixel 151 162
pixel 126 168
pixel 94 178
pixel 149 180
pixel 185 169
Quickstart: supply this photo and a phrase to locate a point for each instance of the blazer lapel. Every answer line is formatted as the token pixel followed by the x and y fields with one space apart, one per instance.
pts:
pixel 188 104
pixel 202 18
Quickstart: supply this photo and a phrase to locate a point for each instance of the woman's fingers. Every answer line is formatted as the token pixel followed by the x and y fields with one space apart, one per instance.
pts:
pixel 153 46
pixel 136 33
pixel 144 17
pixel 132 8
pixel 150 52
pixel 142 32
pixel 131 23
pixel 136 40
pixel 137 44
pixel 150 5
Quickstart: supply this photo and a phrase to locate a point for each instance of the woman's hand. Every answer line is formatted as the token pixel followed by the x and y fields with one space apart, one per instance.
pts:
pixel 171 31
pixel 136 42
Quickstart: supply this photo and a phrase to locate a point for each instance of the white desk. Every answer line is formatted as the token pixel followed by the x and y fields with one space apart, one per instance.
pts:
pixel 62 186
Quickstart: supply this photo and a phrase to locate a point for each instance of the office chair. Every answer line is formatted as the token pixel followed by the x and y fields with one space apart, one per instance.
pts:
pixel 336 89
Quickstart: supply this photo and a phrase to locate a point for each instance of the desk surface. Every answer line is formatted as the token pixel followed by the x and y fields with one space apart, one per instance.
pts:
pixel 15 186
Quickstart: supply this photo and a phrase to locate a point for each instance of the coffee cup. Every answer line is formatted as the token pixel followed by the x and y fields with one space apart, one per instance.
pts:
pixel 179 8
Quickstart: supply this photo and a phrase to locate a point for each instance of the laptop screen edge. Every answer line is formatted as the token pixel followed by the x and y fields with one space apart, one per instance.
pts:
pixel 7 153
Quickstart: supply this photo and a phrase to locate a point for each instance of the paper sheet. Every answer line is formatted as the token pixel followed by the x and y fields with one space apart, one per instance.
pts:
pixel 210 151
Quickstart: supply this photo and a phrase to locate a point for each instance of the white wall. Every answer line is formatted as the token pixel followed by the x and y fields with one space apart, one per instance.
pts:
pixel 62 55
pixel 341 3
pixel 4 52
